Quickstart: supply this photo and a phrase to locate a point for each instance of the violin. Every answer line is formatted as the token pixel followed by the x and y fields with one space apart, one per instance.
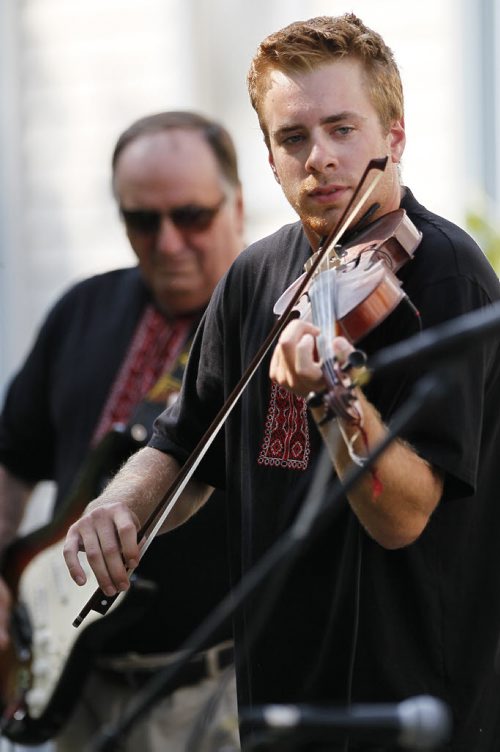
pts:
pixel 353 289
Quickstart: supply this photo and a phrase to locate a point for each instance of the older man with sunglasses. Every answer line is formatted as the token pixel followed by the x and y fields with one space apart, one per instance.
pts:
pixel 111 354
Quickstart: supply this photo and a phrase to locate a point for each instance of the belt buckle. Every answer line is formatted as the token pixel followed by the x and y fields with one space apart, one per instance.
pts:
pixel 212 661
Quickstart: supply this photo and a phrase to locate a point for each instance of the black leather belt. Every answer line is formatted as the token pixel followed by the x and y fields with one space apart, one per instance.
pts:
pixel 208 664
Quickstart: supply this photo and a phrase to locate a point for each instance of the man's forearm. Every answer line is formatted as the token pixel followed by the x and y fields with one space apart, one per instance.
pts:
pixel 409 488
pixel 107 531
pixel 142 483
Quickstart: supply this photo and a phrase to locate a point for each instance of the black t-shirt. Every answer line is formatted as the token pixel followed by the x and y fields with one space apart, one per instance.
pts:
pixel 354 620
pixel 51 411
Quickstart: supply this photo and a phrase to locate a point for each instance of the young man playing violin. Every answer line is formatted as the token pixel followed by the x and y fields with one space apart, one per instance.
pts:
pixel 398 595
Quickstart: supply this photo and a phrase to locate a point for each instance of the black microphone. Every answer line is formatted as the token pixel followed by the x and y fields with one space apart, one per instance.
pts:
pixel 418 723
pixel 439 343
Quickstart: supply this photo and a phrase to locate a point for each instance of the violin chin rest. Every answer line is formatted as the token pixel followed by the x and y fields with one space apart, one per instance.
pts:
pixel 285 298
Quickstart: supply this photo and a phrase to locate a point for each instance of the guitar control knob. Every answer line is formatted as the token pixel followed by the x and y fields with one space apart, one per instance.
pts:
pixel 139 432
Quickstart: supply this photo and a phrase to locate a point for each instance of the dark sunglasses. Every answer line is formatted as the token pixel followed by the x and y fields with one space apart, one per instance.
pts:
pixel 190 217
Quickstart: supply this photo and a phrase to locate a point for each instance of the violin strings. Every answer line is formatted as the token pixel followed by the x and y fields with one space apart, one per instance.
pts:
pixel 322 295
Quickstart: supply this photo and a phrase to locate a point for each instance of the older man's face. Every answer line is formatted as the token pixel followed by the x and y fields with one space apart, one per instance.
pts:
pixel 184 222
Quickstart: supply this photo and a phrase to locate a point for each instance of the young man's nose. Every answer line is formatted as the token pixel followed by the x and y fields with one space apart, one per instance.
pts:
pixel 321 156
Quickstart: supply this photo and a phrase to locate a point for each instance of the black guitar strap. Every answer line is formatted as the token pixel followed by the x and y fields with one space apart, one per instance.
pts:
pixel 161 395
pixel 159 349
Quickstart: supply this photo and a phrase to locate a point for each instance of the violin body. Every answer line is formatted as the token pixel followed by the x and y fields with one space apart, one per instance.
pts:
pixel 349 290
pixel 360 276
pixel 364 295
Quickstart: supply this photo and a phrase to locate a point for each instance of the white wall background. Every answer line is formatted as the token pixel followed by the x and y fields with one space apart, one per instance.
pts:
pixel 75 74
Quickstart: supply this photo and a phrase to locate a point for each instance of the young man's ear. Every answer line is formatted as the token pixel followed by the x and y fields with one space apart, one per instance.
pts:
pixel 273 167
pixel 397 140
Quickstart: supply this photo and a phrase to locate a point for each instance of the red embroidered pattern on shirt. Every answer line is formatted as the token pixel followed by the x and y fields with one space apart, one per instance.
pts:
pixel 286 433
pixel 153 350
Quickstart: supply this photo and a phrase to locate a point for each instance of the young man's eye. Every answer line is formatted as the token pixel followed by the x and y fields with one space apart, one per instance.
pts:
pixel 344 130
pixel 291 140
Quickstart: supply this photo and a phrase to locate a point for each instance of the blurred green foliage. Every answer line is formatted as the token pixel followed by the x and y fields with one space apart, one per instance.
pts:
pixel 487 235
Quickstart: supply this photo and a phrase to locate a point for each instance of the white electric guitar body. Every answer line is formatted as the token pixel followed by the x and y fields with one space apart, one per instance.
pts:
pixel 48 659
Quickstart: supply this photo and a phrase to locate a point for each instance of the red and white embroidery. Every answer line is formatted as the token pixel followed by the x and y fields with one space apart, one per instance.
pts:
pixel 286 433
pixel 154 348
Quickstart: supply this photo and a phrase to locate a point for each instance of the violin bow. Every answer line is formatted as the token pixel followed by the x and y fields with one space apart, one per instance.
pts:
pixel 99 601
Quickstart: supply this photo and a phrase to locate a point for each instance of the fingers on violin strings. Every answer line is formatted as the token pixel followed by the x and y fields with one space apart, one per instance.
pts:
pixel 342 348
pixel 275 366
pixel 306 358
pixel 303 370
pixel 294 363
pixel 296 329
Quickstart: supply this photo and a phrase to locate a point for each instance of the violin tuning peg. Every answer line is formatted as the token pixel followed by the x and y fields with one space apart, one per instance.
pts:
pixel 355 359
pixel 315 399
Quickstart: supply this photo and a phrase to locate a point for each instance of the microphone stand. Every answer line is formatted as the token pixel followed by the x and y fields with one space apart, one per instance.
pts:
pixel 314 513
